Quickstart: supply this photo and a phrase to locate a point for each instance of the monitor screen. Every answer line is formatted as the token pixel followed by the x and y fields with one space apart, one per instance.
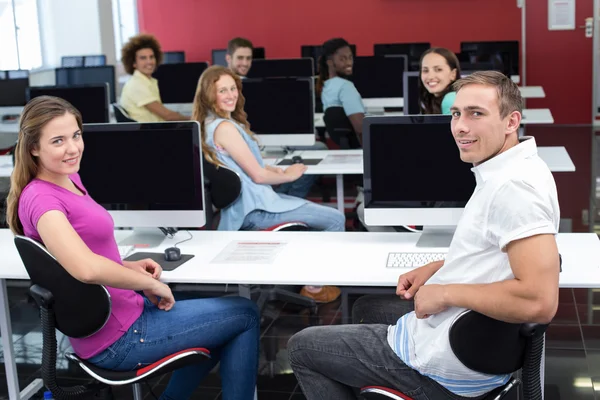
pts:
pixel 17 74
pixel 72 61
pixel 146 175
pixel 88 76
pixel 173 57
pixel 411 93
pixel 94 61
pixel 177 82
pixel 12 92
pixel 279 106
pixel 413 162
pixel 315 53
pixel 379 77
pixel 218 57
pixel 90 100
pixel 282 68
pixel 500 56
pixel 412 50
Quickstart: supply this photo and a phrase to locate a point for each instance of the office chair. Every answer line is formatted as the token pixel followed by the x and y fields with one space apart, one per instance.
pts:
pixel 120 113
pixel 340 129
pixel 79 310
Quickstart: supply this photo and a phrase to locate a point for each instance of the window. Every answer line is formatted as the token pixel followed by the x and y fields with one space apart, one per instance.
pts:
pixel 20 35
pixel 125 22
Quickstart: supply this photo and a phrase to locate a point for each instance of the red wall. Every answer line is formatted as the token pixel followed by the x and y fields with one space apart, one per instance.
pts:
pixel 282 26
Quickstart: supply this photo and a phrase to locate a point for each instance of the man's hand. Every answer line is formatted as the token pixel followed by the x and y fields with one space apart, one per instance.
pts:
pixel 271 168
pixel 430 300
pixel 145 266
pixel 410 282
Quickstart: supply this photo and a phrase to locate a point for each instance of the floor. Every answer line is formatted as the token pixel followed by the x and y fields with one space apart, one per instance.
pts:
pixel 572 342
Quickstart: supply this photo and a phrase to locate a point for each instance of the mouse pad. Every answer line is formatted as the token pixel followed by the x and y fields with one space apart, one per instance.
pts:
pixel 306 161
pixel 160 259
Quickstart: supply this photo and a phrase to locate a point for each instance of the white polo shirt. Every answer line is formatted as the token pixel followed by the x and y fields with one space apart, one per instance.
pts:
pixel 515 198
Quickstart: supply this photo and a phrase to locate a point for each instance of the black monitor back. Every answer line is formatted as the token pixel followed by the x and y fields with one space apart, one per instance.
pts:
pixel 94 61
pixel 258 53
pixel 377 77
pixel 218 57
pixel 315 53
pixel 12 92
pixel 502 56
pixel 412 51
pixel 90 100
pixel 411 93
pixel 88 76
pixel 177 82
pixel 71 61
pixel 282 68
pixel 173 57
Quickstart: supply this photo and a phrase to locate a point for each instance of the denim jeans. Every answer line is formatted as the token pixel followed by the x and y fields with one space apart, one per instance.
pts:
pixel 301 187
pixel 228 326
pixel 316 216
pixel 334 362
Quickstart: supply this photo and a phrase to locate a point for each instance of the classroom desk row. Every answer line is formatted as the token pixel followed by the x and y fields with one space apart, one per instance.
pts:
pixel 280 258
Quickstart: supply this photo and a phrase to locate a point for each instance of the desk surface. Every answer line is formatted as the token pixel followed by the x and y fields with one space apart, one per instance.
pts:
pixel 319 258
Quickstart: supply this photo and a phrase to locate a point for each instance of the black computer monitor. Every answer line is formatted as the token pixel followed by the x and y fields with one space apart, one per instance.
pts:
pixel 177 82
pixel 502 56
pixel 145 174
pixel 282 68
pixel 413 173
pixel 315 53
pixel 94 61
pixel 218 57
pixel 90 100
pixel 12 92
pixel 411 93
pixel 412 51
pixel 258 53
pixel 281 110
pixel 173 57
pixel 71 61
pixel 88 76
pixel 379 77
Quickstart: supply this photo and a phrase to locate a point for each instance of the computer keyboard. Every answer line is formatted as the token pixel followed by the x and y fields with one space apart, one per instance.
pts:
pixel 125 251
pixel 412 260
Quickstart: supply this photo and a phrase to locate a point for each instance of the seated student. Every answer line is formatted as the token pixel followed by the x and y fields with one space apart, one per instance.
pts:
pixel 503 262
pixel 227 140
pixel 335 67
pixel 140 96
pixel 49 203
pixel 438 71
pixel 239 56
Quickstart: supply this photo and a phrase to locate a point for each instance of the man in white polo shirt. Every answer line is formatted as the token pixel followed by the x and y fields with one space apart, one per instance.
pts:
pixel 503 262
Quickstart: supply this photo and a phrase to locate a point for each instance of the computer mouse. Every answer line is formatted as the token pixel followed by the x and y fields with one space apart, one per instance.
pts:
pixel 297 160
pixel 172 254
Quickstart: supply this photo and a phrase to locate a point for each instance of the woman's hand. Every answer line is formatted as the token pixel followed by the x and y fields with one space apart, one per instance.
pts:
pixel 146 266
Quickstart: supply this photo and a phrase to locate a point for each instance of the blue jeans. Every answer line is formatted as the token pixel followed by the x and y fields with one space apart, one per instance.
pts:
pixel 228 326
pixel 316 216
pixel 301 186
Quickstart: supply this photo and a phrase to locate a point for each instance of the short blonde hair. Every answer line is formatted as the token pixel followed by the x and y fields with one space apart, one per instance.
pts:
pixel 509 95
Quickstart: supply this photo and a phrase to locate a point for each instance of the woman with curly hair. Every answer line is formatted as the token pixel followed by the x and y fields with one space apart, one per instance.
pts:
pixel 140 96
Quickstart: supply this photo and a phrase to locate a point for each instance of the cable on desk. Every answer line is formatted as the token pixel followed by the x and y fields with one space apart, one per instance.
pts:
pixel 190 238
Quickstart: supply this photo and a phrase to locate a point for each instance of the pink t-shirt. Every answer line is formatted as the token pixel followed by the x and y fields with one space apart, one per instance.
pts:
pixel 96 228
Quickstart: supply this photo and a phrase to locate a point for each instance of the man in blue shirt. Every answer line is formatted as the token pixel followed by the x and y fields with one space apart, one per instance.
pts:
pixel 335 67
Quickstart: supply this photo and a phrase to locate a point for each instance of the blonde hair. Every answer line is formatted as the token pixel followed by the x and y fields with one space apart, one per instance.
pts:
pixel 36 114
pixel 205 102
pixel 509 95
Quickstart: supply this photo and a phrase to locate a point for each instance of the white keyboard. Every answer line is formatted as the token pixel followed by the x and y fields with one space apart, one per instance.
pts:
pixel 125 251
pixel 406 260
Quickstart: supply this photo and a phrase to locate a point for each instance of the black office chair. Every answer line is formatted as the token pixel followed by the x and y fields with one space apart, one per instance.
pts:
pixel 340 129
pixel 120 114
pixel 79 310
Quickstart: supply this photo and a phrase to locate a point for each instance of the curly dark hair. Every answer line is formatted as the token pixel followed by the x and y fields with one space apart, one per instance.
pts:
pixel 135 43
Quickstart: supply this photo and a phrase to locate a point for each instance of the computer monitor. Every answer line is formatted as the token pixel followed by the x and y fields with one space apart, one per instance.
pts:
pixel 88 76
pixel 94 61
pixel 412 51
pixel 282 68
pixel 315 53
pixel 218 57
pixel 17 74
pixel 411 93
pixel 503 56
pixel 72 61
pixel 413 175
pixel 12 92
pixel 379 77
pixel 147 175
pixel 173 57
pixel 281 111
pixel 258 53
pixel 177 82
pixel 90 100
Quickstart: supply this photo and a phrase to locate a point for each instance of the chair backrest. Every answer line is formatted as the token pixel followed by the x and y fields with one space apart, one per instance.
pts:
pixel 340 128
pixel 491 346
pixel 120 113
pixel 223 185
pixel 80 309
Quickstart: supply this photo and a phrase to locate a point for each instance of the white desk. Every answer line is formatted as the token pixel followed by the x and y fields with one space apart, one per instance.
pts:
pixel 556 157
pixel 532 92
pixel 336 258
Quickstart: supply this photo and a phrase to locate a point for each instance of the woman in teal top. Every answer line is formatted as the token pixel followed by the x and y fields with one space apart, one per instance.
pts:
pixel 227 141
pixel 439 69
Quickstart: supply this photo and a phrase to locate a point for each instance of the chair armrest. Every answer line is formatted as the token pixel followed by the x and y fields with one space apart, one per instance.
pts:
pixel 43 297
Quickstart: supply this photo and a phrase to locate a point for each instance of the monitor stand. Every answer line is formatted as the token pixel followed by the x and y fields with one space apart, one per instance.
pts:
pixel 275 152
pixel 436 236
pixel 144 238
